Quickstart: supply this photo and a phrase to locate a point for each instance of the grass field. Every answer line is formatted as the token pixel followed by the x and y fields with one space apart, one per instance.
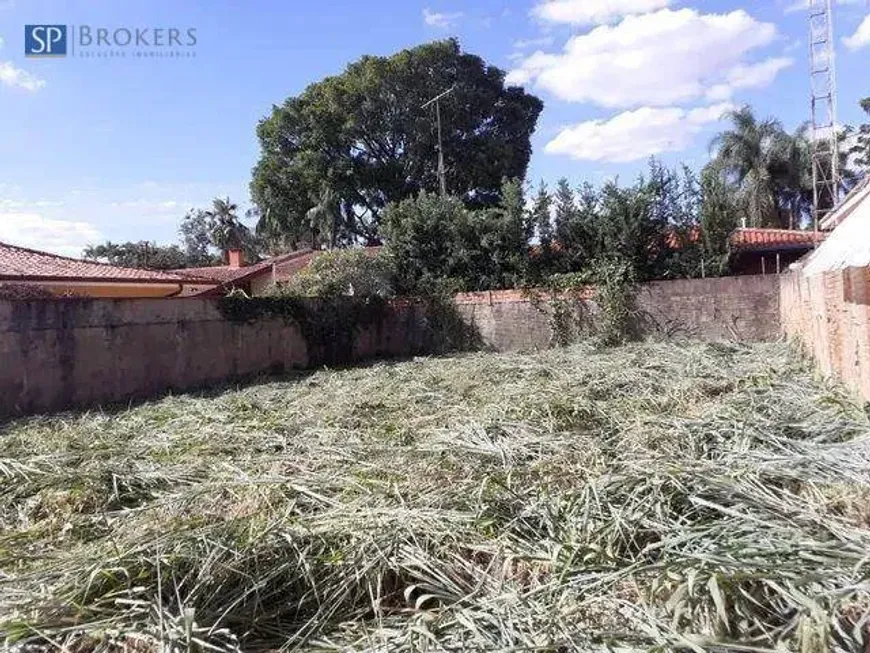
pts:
pixel 657 496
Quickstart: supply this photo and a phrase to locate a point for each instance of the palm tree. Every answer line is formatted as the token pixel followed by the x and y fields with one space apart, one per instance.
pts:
pixel 773 170
pixel 227 231
pixel 795 176
pixel 796 179
pixel 753 155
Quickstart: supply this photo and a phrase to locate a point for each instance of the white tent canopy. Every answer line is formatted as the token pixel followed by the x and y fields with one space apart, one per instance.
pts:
pixel 849 244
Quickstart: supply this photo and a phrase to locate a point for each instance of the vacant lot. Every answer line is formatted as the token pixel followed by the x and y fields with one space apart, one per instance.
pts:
pixel 693 497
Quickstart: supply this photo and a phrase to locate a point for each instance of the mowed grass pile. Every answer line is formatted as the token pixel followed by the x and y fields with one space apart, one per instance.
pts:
pixel 676 497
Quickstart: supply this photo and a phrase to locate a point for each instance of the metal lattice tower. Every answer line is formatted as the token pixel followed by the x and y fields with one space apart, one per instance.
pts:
pixel 826 161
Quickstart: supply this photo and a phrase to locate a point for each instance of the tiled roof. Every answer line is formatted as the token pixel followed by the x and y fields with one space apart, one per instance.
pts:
pixel 286 265
pixel 774 239
pixel 22 264
pixel 226 274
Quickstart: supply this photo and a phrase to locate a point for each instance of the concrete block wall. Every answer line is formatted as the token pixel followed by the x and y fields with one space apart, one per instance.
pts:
pixel 725 308
pixel 79 352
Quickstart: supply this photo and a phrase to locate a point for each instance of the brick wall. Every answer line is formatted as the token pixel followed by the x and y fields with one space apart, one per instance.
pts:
pixel 82 352
pixel 828 314
pixel 728 308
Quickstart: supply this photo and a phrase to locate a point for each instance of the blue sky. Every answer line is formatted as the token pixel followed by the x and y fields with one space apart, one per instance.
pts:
pixel 119 148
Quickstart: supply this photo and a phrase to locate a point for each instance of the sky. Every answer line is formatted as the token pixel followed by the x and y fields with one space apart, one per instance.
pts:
pixel 108 147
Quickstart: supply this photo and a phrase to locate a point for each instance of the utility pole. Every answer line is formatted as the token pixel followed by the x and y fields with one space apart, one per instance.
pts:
pixel 442 178
pixel 823 102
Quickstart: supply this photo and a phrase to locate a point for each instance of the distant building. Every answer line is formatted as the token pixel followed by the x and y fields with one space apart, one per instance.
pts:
pixel 849 243
pixel 253 279
pixel 769 251
pixel 257 278
pixel 28 272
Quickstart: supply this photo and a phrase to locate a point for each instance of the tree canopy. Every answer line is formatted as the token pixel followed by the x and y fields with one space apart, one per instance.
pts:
pixel 218 228
pixel 143 254
pixel 363 137
pixel 770 171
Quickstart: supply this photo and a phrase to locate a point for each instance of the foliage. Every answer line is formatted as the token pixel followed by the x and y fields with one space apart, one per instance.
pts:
pixel 196 235
pixel 543 257
pixel 364 136
pixel 352 272
pixel 26 292
pixel 655 225
pixel 575 220
pixel 324 219
pixel 771 170
pixel 226 230
pixel 217 228
pixel 144 255
pixel 615 293
pixel 638 225
pixel 861 149
pixel 330 324
pixel 610 284
pixel 719 218
pixel 438 242
pixel 750 155
pixel 655 497
pixel 652 224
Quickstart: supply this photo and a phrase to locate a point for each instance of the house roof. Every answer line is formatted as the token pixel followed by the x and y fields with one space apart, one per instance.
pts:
pixel 284 265
pixel 848 246
pixel 232 275
pixel 23 264
pixel 757 240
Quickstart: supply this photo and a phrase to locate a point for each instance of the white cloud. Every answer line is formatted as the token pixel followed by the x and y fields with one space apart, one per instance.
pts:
pixel 148 205
pixel 658 59
pixel 37 232
pixel 637 134
pixel 15 77
pixel 440 20
pixel 594 12
pixel 18 78
pixel 544 41
pixel 861 37
pixel 742 76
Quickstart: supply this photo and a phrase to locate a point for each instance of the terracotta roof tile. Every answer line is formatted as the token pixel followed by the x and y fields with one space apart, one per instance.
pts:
pixel 772 239
pixel 226 274
pixel 22 264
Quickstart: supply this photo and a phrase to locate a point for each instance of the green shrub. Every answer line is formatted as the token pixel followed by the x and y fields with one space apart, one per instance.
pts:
pixel 437 242
pixel 349 272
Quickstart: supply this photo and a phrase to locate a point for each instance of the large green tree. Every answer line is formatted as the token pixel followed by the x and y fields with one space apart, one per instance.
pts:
pixel 752 155
pixel 771 171
pixel 365 136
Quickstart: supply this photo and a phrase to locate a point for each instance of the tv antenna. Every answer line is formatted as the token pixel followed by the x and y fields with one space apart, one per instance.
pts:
pixel 823 99
pixel 442 179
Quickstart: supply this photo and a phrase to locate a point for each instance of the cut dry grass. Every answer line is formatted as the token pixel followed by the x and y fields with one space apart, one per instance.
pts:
pixel 680 497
